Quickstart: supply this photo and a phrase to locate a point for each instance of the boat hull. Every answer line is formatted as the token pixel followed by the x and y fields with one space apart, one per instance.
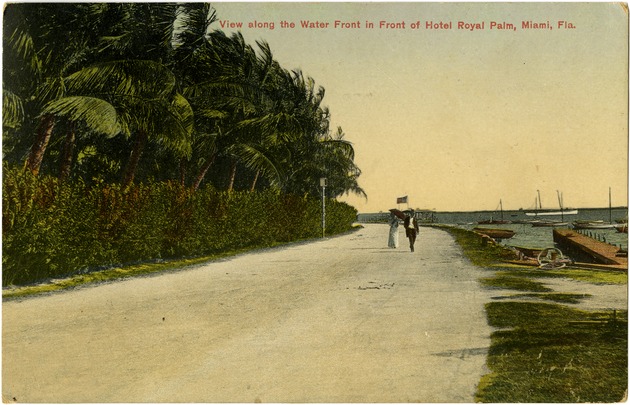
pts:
pixel 550 224
pixel 551 213
pixel 622 228
pixel 586 225
pixel 495 233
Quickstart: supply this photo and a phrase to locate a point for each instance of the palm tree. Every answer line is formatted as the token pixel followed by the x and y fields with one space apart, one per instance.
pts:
pixel 43 43
pixel 337 161
pixel 225 95
pixel 160 114
pixel 258 108
pixel 195 98
pixel 316 153
pixel 146 93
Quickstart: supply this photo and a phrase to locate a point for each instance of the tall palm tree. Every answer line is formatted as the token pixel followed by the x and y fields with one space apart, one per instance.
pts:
pixel 189 59
pixel 44 42
pixel 225 95
pixel 337 165
pixel 194 97
pixel 162 115
pixel 245 97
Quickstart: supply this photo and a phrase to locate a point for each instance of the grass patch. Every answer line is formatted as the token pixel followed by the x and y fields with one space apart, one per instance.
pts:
pixel 112 274
pixel 479 252
pixel 514 283
pixel 539 357
pixel 555 297
pixel 589 276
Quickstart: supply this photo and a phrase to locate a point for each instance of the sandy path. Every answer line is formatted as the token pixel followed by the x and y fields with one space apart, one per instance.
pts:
pixel 338 320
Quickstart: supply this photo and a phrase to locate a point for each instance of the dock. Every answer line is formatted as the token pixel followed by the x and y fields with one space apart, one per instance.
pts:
pixel 590 252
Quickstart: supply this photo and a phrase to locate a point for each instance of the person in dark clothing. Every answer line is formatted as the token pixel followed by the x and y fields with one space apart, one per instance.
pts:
pixel 411 227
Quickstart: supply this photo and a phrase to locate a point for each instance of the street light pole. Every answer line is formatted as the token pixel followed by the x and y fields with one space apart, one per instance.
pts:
pixel 322 183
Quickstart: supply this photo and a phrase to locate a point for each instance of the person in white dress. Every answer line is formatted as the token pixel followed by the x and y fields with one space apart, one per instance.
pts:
pixel 393 232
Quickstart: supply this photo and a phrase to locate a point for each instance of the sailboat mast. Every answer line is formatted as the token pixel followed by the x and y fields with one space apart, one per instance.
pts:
pixel 609 206
pixel 560 204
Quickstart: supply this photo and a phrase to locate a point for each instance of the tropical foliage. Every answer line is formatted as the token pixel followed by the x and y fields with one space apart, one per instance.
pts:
pixel 53 229
pixel 110 108
pixel 132 92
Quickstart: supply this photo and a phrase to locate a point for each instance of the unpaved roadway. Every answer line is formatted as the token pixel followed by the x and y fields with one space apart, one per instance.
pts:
pixel 343 319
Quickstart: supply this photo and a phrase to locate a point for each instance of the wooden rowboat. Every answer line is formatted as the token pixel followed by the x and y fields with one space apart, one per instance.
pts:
pixel 495 233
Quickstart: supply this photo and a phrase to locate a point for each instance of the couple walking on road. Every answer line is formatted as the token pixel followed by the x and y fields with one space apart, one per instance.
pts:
pixel 411 229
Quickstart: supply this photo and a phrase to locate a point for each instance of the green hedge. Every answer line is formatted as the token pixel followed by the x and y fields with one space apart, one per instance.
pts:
pixel 53 229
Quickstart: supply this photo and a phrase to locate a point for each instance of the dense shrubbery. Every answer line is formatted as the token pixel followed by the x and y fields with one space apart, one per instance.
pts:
pixel 53 229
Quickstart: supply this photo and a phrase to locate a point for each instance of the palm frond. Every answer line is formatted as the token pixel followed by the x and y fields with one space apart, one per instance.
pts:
pixel 51 88
pixel 169 123
pixel 96 114
pixel 138 78
pixel 212 114
pixel 184 112
pixel 273 127
pixel 12 110
pixel 193 20
pixel 339 146
pixel 257 159
pixel 22 43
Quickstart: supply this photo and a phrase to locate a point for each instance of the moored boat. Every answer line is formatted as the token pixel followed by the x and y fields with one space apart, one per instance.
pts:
pixel 495 233
pixel 551 213
pixel 550 224
pixel 528 252
pixel 592 225
pixel 492 221
pixel 539 211
pixel 598 224
pixel 496 221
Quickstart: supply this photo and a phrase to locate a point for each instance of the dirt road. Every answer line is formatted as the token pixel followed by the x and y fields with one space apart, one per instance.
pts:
pixel 343 319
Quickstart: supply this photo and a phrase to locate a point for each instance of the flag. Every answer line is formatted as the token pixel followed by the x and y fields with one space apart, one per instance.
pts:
pixel 401 200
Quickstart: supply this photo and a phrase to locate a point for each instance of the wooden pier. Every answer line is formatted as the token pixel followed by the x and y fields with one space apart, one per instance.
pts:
pixel 590 252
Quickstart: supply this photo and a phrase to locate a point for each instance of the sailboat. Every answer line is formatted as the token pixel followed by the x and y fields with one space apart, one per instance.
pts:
pixel 539 211
pixel 496 221
pixel 550 223
pixel 495 233
pixel 598 224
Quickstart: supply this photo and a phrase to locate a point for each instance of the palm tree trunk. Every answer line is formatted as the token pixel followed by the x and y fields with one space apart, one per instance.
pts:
pixel 68 152
pixel 232 175
pixel 134 158
pixel 255 180
pixel 202 173
pixel 182 172
pixel 36 156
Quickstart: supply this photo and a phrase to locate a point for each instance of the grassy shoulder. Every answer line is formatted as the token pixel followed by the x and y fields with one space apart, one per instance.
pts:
pixel 116 273
pixel 544 351
pixel 119 273
pixel 547 353
pixel 589 276
pixel 478 251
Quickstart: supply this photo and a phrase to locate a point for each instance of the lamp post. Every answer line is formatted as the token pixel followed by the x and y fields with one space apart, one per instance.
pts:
pixel 322 183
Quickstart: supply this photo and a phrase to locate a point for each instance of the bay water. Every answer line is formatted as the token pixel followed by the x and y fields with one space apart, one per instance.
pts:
pixel 526 235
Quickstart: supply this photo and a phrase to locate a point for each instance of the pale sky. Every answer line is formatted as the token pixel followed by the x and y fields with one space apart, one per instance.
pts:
pixel 459 119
